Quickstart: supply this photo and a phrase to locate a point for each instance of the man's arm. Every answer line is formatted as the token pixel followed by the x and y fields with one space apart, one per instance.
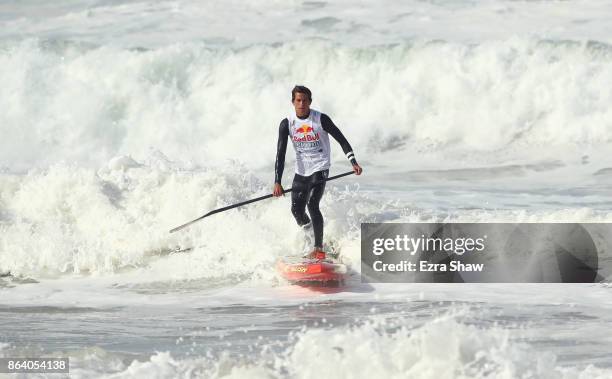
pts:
pixel 281 149
pixel 329 126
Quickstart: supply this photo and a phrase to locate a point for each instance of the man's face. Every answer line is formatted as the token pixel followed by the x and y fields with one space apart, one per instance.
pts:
pixel 301 102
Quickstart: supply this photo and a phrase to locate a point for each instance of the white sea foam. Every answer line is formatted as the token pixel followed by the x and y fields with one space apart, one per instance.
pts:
pixel 72 220
pixel 68 220
pixel 442 348
pixel 199 105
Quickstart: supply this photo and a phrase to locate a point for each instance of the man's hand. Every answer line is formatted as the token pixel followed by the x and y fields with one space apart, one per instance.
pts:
pixel 357 168
pixel 278 190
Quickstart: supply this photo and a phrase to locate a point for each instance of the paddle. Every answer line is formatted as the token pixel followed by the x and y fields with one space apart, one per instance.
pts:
pixel 219 210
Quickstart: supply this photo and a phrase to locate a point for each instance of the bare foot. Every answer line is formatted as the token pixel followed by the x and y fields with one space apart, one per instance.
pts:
pixel 316 253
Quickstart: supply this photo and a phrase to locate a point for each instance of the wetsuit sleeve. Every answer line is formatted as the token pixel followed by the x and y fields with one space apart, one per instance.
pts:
pixel 281 148
pixel 329 126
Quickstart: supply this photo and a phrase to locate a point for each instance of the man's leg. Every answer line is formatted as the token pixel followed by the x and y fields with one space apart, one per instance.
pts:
pixel 299 197
pixel 316 193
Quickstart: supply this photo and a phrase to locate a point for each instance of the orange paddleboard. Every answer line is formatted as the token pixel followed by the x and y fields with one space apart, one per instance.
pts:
pixel 306 271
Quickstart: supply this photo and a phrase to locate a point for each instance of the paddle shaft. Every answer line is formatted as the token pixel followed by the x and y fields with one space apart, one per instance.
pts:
pixel 219 210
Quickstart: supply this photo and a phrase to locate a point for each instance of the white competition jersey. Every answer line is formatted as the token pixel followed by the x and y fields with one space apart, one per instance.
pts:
pixel 310 142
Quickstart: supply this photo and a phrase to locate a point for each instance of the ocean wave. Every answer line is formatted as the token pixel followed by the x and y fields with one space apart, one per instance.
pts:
pixel 202 104
pixel 441 348
pixel 72 220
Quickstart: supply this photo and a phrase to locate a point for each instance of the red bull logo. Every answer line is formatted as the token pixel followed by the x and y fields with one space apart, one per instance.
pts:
pixel 307 134
pixel 304 129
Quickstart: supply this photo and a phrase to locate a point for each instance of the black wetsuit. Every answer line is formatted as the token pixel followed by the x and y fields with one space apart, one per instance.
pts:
pixel 308 190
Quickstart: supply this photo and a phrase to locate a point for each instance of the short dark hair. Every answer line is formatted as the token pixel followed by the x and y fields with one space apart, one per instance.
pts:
pixel 301 89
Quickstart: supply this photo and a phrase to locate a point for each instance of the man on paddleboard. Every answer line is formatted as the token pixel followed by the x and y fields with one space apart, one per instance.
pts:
pixel 309 132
